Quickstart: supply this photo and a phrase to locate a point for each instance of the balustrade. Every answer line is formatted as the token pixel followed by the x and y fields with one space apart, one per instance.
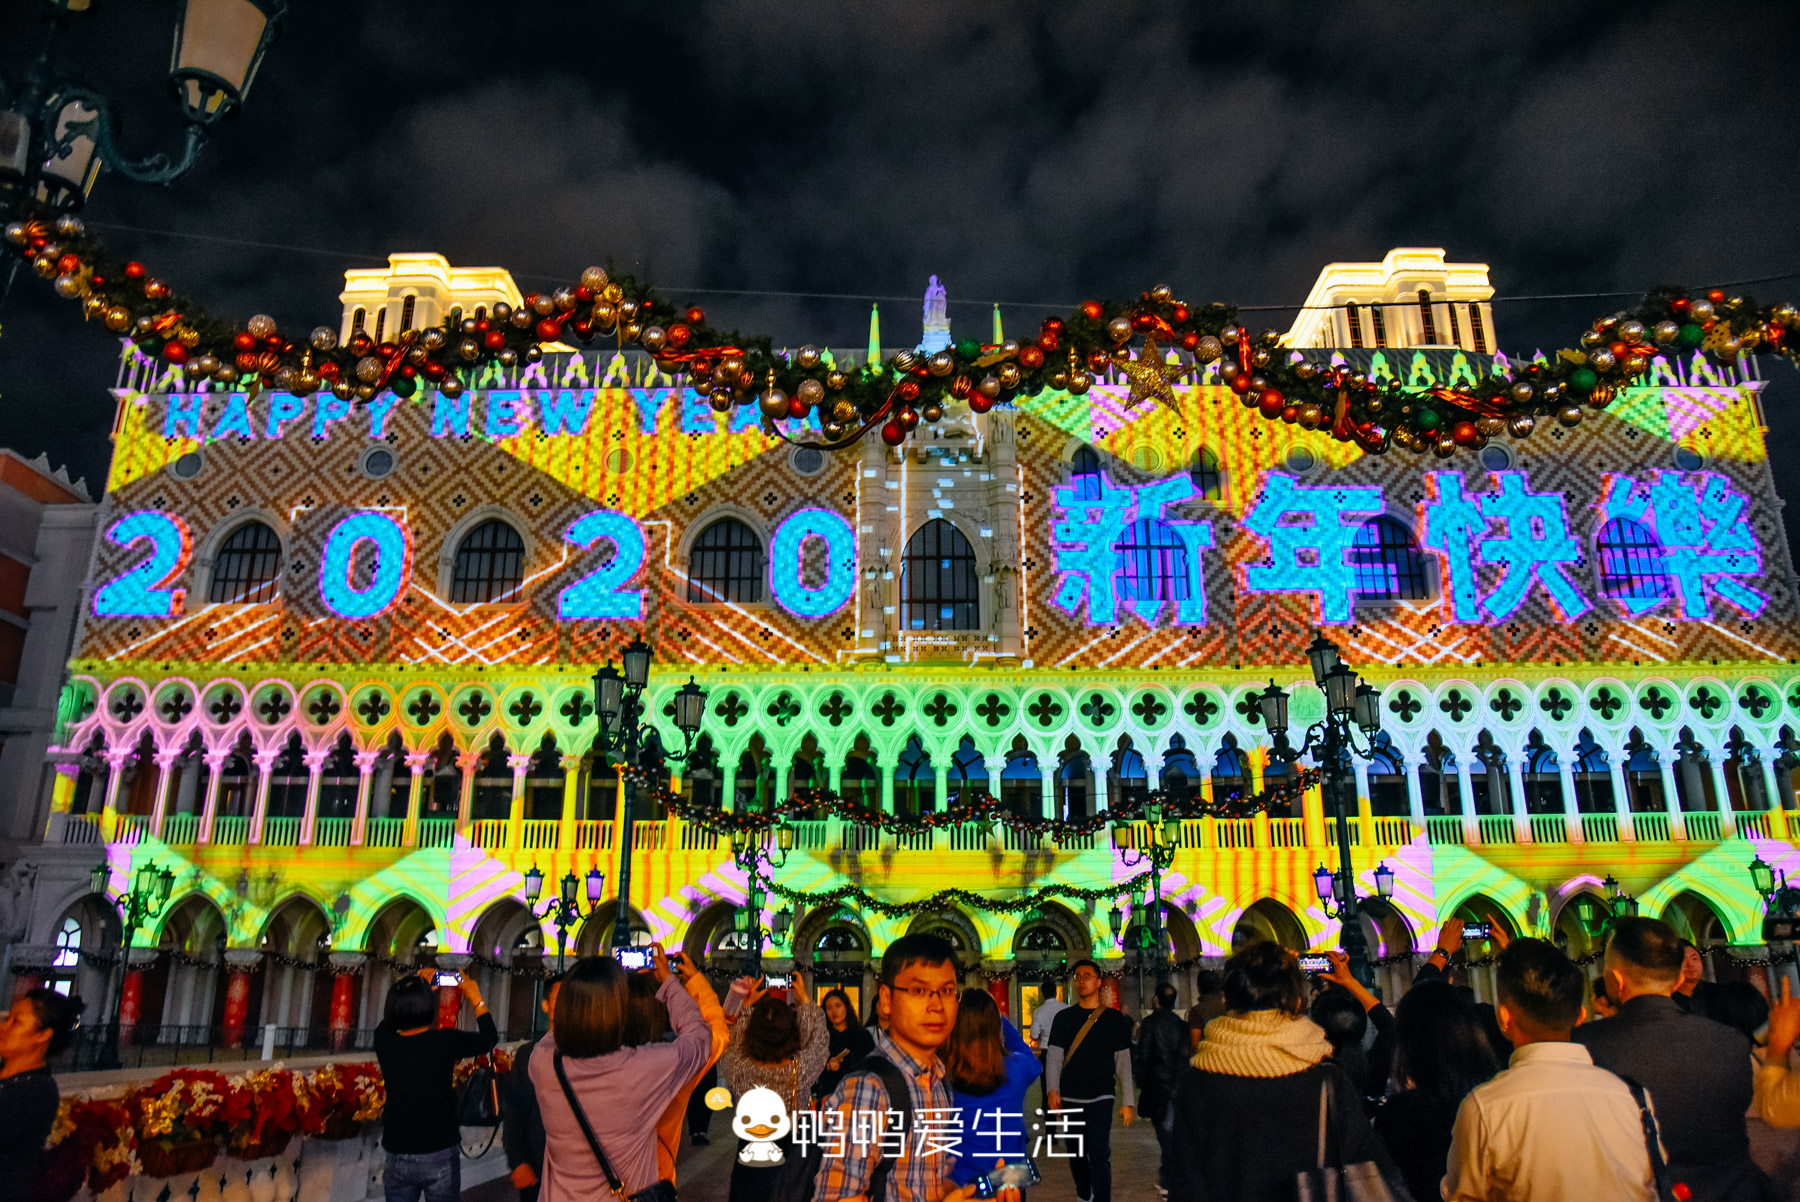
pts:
pixel 1600 828
pixel 385 832
pixel 331 832
pixel 180 829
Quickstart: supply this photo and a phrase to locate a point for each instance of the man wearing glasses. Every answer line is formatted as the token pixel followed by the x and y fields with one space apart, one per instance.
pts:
pixel 918 998
pixel 1090 1044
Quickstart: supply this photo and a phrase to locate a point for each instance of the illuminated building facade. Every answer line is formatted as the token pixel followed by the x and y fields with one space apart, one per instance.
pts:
pixel 335 665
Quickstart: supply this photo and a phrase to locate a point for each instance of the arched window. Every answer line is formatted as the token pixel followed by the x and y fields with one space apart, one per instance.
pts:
pixel 358 319
pixel 1387 563
pixel 1380 325
pixel 1022 782
pixel 726 563
pixel 1084 474
pixel 380 322
pixel 248 568
pixel 1209 482
pixel 938 581
pixel 406 312
pixel 967 778
pixel 490 564
pixel 1455 326
pixel 1631 562
pixel 1426 321
pixel 1180 776
pixel 1354 314
pixel 1153 562
pixel 68 945
pixel 915 780
pixel 1477 330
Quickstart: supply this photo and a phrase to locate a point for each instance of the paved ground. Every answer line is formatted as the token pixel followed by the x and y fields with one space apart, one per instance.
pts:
pixel 704 1174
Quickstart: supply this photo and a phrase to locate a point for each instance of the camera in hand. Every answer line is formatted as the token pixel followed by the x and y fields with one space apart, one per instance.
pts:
pixel 447 980
pixel 1018 1174
pixel 779 980
pixel 632 958
pixel 1477 930
pixel 1315 963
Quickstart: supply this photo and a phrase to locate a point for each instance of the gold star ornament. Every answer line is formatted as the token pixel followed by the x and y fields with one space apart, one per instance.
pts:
pixel 1150 376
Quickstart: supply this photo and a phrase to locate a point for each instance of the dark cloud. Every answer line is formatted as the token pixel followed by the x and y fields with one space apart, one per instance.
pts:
pixel 1031 152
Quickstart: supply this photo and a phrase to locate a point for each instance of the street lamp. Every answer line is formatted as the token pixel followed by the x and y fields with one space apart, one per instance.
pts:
pixel 1623 904
pixel 1158 851
pixel 1349 703
pixel 55 134
pixel 618 714
pixel 1781 901
pixel 751 851
pixel 150 892
pixel 563 909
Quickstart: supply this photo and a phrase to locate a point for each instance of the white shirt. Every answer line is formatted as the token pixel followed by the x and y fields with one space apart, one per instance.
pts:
pixel 1042 1017
pixel 1552 1128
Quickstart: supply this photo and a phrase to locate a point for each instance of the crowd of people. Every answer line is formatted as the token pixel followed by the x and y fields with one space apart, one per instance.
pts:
pixel 1645 1083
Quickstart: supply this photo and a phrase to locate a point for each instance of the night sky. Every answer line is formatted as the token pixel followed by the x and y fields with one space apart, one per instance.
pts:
pixel 1030 153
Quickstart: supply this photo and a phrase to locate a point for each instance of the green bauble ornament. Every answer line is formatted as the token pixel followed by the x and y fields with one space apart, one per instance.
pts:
pixel 1427 419
pixel 968 349
pixel 1583 380
pixel 403 386
pixel 1692 335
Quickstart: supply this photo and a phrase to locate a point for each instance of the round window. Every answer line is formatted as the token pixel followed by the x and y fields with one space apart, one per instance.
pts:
pixel 808 461
pixel 1147 459
pixel 376 462
pixel 1300 459
pixel 188 466
pixel 1496 458
pixel 618 460
pixel 1689 460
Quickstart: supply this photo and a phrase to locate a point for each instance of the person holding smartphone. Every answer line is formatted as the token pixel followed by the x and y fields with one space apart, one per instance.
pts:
pixel 778 1047
pixel 418 1060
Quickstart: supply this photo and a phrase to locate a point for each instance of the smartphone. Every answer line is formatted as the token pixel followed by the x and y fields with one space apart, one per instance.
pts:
pixel 448 979
pixel 1019 1175
pixel 778 980
pixel 1315 963
pixel 633 958
pixel 1478 930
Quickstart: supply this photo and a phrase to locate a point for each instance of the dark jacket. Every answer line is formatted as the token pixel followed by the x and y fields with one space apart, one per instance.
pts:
pixel 1159 1060
pixel 522 1125
pixel 1490 1022
pixel 1418 1130
pixel 1246 1139
pixel 1699 1076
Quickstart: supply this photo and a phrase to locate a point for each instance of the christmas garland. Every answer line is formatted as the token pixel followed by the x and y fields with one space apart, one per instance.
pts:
pixel 950 899
pixel 732 370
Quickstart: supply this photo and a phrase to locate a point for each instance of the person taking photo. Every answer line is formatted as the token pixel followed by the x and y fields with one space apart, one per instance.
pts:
pixel 418 1062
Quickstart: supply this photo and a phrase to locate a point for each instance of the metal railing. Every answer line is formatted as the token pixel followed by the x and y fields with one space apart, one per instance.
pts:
pixel 151 1045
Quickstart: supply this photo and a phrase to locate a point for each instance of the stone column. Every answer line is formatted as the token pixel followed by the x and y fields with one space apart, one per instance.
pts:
pixel 1671 802
pixel 366 762
pixel 1465 796
pixel 109 808
pixel 1565 769
pixel 468 762
pixel 1721 795
pixel 240 962
pixel 571 802
pixel 346 967
pixel 215 764
pixel 315 776
pixel 259 812
pixel 416 762
pixel 165 777
pixel 1513 781
pixel 1006 556
pixel 520 763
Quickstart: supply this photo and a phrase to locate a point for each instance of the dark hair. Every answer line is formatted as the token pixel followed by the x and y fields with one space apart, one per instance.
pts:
pixel 1264 976
pixel 851 1021
pixel 1345 1023
pixel 1166 996
pixel 771 1033
pixel 920 948
pixel 1648 946
pixel 1540 984
pixel 1208 981
pixel 975 1054
pixel 54 1013
pixel 412 1002
pixel 646 1018
pixel 1738 1004
pixel 591 1008
pixel 1083 963
pixel 1440 1044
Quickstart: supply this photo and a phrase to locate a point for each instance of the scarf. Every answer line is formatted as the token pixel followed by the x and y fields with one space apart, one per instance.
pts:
pixel 1260 1043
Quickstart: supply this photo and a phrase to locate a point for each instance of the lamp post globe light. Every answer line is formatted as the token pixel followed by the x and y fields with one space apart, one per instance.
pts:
pixel 1157 850
pixel 627 744
pixel 150 890
pixel 1781 902
pixel 563 909
pixel 56 134
pixel 1352 707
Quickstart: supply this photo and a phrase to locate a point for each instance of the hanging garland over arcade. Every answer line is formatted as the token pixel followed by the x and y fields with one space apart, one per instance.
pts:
pixel 734 370
pixel 951 899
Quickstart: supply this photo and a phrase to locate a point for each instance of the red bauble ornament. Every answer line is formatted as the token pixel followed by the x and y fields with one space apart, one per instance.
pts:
pixel 696 315
pixel 1240 383
pixel 1680 305
pixel 409 371
pixel 1098 360
pixel 1143 321
pixel 134 270
pixel 244 340
pixel 1464 434
pixel 434 371
pixel 1290 414
pixel 1053 324
pixel 1031 357
pixel 1271 403
pixel 908 390
pixel 548 329
pixel 174 352
pixel 246 361
pixel 961 386
pixel 1190 340
pixel 531 298
pixel 680 335
pixel 1092 310
pixel 797 408
pixel 981 403
pixel 494 340
pixel 583 292
pixel 1048 340
pixel 328 370
pixel 68 265
pixel 1181 315
pixel 908 418
pixel 1715 296
pixel 892 434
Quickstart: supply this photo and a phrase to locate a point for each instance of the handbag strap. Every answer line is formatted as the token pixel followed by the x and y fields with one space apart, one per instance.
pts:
pixel 1082 1034
pixel 612 1178
pixel 1324 1116
pixel 1659 1168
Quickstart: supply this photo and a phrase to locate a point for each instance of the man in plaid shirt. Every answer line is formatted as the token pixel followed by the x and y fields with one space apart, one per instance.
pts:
pixel 918 996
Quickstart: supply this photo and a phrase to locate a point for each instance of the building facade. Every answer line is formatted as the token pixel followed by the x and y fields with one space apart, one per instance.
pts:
pixel 334 668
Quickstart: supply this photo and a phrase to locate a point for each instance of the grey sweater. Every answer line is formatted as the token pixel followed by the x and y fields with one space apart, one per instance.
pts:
pixel 792 1079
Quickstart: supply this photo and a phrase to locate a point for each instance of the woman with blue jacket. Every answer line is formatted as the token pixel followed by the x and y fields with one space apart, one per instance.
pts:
pixel 989 1066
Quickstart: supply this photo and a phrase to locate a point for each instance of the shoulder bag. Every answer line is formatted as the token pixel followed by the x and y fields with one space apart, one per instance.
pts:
pixel 1659 1167
pixel 1359 1182
pixel 662 1191
pixel 480 1107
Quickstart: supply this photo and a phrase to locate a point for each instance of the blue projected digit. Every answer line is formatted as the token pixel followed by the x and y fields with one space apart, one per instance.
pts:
pixel 143 592
pixel 601 593
pixel 393 562
pixel 790 592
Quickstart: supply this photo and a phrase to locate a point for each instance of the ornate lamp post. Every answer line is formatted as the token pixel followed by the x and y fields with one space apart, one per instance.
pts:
pixel 751 850
pixel 1159 852
pixel 1781 902
pixel 149 894
pixel 1351 705
pixel 55 134
pixel 618 714
pixel 562 909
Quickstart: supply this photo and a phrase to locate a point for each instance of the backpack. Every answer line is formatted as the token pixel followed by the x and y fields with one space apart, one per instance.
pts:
pixel 803 1171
